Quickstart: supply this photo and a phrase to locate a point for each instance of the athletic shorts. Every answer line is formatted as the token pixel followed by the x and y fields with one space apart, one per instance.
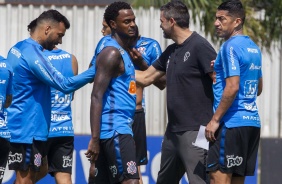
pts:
pixel 4 152
pixel 234 151
pixel 139 136
pixel 59 154
pixel 23 156
pixel 117 160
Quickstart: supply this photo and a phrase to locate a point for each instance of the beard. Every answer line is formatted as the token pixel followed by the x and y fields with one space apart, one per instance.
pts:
pixel 166 35
pixel 48 44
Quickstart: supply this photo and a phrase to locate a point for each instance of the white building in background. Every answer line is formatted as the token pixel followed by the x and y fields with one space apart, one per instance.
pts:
pixel 81 40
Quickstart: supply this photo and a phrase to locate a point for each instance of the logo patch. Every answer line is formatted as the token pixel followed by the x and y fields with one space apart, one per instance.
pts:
pixel 67 161
pixel 131 169
pixel 186 56
pixel 233 161
pixel 17 157
pixel 113 170
pixel 37 159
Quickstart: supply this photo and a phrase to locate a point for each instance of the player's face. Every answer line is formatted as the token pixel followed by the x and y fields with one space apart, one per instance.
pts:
pixel 54 34
pixel 165 26
pixel 124 24
pixel 106 30
pixel 225 24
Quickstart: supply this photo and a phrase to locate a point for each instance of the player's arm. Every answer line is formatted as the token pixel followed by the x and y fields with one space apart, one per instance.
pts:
pixel 139 61
pixel 148 77
pixel 9 91
pixel 43 70
pixel 229 94
pixel 108 63
pixel 8 101
pixel 260 86
pixel 74 65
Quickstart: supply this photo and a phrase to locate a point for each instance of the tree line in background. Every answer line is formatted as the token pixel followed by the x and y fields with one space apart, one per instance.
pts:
pixel 263 18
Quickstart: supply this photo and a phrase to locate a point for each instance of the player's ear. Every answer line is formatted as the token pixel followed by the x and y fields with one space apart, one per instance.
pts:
pixel 113 24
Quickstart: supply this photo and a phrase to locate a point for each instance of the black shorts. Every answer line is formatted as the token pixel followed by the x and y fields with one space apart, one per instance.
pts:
pixel 234 151
pixel 116 160
pixel 59 154
pixel 4 152
pixel 139 136
pixel 24 156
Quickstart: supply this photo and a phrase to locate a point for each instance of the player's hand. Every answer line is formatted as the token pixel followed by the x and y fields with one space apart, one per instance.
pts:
pixel 211 128
pixel 93 150
pixel 135 55
pixel 212 64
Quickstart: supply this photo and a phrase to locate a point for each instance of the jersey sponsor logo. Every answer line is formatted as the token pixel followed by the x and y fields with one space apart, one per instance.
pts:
pixel 232 59
pixel 252 50
pixel 157 50
pixel 250 106
pixel 2 123
pixel 17 157
pixel 16 53
pixel 233 161
pixel 253 118
pixel 250 88
pixel 1 104
pixel 67 161
pixel 3 65
pixel 59 117
pixel 131 167
pixel 61 101
pixel 2 81
pixel 254 67
pixel 65 129
pixel 43 70
pixel 37 159
pixel 113 170
pixel 186 56
pixel 57 57
pixel 132 87
pixel 5 134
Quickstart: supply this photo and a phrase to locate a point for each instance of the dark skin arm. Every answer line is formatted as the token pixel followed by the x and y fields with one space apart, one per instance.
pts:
pixel 260 86
pixel 109 64
pixel 138 60
pixel 8 101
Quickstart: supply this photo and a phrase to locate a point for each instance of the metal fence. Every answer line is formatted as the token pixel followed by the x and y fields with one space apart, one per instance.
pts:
pixel 81 40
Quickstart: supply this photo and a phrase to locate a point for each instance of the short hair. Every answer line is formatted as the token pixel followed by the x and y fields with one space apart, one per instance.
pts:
pixel 178 11
pixel 54 16
pixel 31 26
pixel 112 11
pixel 234 8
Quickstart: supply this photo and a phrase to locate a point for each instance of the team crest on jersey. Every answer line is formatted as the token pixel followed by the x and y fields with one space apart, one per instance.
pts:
pixel 142 50
pixel 131 169
pixel 113 170
pixel 67 161
pixel 37 159
pixel 186 56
